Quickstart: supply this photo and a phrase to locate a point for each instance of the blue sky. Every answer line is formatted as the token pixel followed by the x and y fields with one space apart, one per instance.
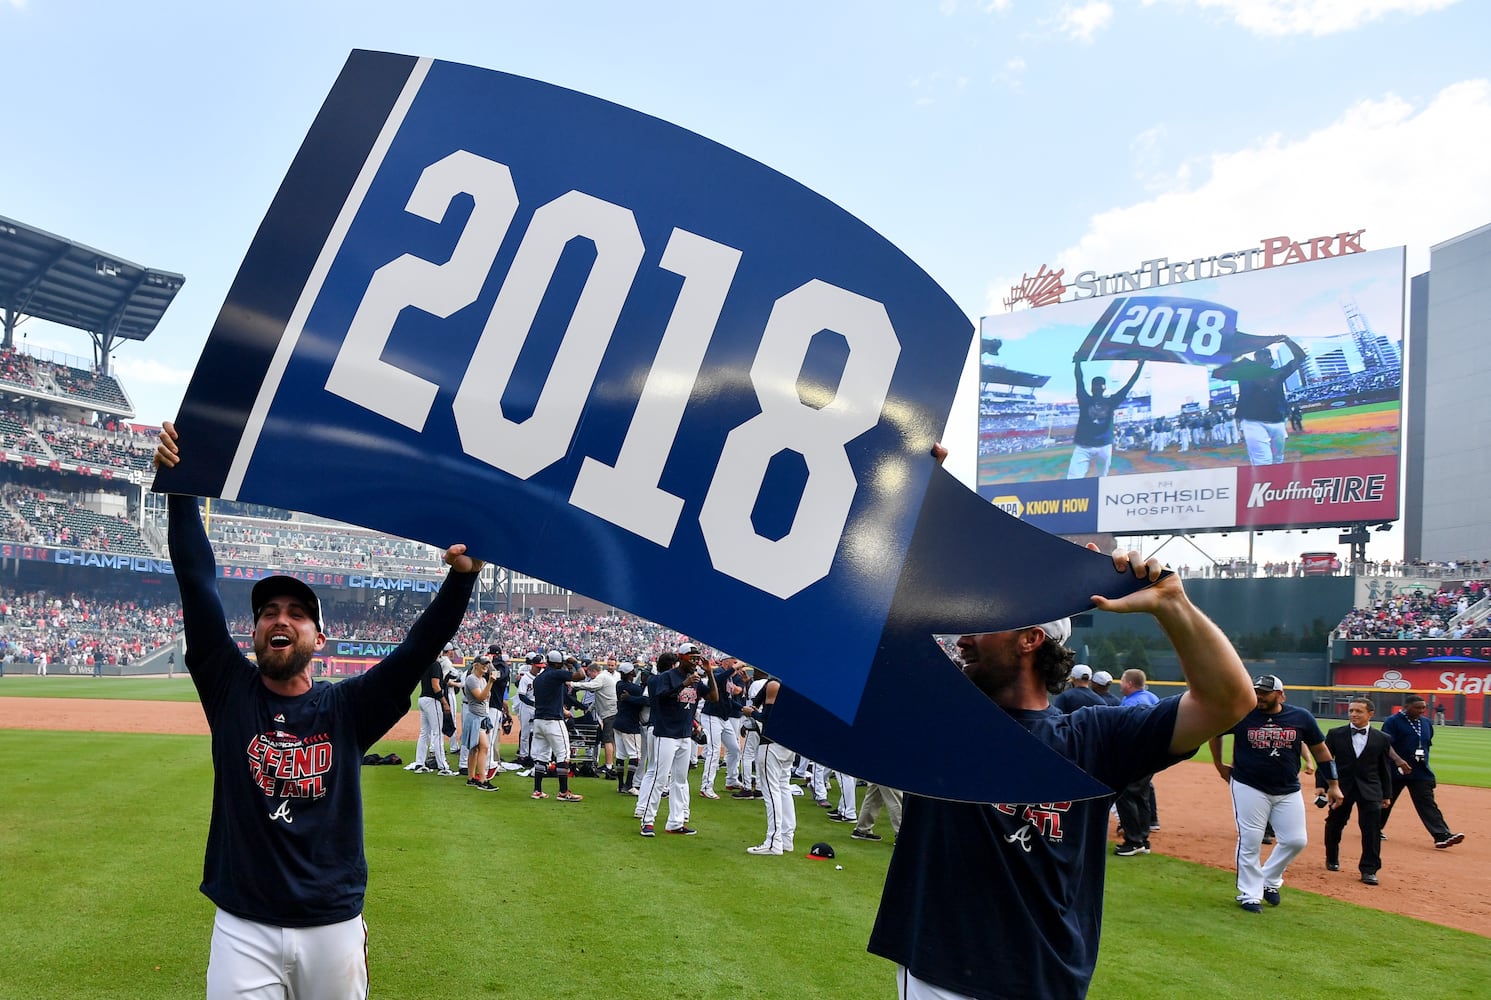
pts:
pixel 983 138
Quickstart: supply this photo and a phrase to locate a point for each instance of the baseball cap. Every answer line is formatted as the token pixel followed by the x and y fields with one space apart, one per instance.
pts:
pixel 627 668
pixel 494 650
pixel 1081 672
pixel 686 648
pixel 1267 682
pixel 1058 631
pixel 1102 677
pixel 285 586
pixel 533 658
pixel 821 851
pixel 555 656
pixel 450 647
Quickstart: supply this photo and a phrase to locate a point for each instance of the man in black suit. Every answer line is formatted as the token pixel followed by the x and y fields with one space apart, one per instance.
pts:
pixel 1365 773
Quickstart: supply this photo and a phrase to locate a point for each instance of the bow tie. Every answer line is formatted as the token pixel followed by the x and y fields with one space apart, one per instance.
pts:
pixel 1359 732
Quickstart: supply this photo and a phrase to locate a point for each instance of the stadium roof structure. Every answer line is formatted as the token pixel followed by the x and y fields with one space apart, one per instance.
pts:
pixel 74 285
pixel 996 375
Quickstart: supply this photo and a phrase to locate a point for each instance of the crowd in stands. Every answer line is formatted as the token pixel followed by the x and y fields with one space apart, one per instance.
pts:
pixel 16 437
pixel 606 637
pixel 46 517
pixel 304 543
pixel 110 444
pixel 107 444
pixel 1433 570
pixel 91 388
pixel 1373 384
pixel 69 630
pixel 72 630
pixel 1420 614
pixel 17 368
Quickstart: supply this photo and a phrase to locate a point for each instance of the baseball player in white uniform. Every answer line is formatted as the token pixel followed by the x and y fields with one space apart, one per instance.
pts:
pixel 525 709
pixel 1264 777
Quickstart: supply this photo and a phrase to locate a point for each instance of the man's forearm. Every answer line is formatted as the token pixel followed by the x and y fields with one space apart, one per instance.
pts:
pixel 431 630
pixel 196 574
pixel 1215 746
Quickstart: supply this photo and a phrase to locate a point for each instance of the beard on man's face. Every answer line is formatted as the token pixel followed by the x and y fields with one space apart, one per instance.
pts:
pixel 992 663
pixel 282 664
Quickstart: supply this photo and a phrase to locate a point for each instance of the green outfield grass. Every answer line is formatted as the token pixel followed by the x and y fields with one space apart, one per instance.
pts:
pixel 28 685
pixel 101 841
pixel 1462 756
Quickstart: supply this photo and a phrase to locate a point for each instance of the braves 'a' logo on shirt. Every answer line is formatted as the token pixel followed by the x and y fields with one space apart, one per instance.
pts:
pixel 1043 819
pixel 1097 412
pixel 284 766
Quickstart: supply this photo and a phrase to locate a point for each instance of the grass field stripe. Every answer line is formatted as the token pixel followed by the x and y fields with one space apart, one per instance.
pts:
pixel 255 424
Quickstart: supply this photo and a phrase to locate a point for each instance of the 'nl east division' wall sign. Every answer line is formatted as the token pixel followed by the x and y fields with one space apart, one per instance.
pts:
pixel 607 352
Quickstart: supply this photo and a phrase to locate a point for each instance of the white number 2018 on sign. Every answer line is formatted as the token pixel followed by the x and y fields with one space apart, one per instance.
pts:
pixel 627 493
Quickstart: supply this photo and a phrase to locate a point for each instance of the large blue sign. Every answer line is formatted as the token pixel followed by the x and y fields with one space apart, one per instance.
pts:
pixel 615 355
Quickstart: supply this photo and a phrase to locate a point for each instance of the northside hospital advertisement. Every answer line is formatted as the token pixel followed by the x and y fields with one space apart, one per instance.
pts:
pixel 1189 352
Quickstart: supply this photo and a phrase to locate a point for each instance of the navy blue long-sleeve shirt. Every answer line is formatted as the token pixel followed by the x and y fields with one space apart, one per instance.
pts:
pixel 285 842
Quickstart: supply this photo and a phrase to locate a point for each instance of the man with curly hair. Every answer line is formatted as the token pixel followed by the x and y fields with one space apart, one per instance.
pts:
pixel 1029 876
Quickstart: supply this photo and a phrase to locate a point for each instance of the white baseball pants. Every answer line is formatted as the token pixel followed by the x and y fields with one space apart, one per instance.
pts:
pixel 1253 810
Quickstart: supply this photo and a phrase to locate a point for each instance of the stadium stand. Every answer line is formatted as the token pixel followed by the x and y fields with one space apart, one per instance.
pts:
pixel 17 369
pixel 16 438
pixel 61 381
pixel 51 519
pixel 302 541
pixel 110 444
pixel 71 630
pixel 92 388
pixel 1453 611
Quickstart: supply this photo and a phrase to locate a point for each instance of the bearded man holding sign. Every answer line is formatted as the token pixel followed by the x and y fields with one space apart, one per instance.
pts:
pixel 285 863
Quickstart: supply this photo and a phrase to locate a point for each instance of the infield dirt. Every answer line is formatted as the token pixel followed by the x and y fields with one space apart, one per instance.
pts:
pixel 1448 887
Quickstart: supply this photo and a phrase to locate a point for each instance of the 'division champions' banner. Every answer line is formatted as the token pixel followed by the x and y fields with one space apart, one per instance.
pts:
pixel 612 354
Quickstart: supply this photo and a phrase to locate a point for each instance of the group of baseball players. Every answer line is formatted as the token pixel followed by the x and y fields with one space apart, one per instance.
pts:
pixel 652 725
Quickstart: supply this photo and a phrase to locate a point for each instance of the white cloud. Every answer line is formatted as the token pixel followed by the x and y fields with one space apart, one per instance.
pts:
pixel 156 389
pixel 1407 175
pixel 1315 17
pixel 143 371
pixel 1012 75
pixel 1082 23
